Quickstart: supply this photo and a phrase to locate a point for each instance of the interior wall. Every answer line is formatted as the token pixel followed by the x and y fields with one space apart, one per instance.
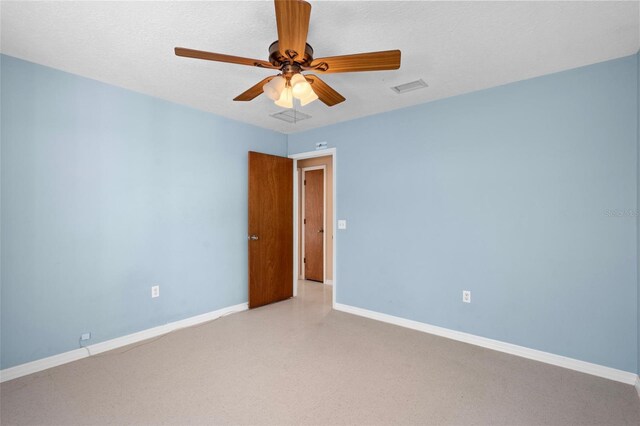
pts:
pixel 106 192
pixel 328 162
pixel 512 193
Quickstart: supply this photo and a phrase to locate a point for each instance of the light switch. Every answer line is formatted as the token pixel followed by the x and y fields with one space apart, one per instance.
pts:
pixel 342 224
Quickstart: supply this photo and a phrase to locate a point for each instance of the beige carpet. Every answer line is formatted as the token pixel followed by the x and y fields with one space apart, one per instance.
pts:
pixel 298 362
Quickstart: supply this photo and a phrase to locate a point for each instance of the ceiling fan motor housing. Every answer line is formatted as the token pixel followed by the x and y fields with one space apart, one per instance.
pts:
pixel 279 60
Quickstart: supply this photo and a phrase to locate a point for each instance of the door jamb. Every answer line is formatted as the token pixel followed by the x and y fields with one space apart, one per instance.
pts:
pixel 324 219
pixel 331 152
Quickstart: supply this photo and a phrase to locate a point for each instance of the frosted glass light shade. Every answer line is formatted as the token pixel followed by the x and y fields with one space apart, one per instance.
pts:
pixel 300 86
pixel 309 98
pixel 274 88
pixel 286 98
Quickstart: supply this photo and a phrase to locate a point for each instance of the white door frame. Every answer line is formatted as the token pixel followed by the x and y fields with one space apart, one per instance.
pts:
pixel 331 152
pixel 324 219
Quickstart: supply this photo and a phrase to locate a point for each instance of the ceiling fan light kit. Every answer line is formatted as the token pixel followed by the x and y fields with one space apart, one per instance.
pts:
pixel 282 91
pixel 292 55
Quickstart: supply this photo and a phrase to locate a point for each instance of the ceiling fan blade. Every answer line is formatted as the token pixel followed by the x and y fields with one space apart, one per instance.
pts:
pixel 372 61
pixel 326 94
pixel 292 17
pixel 254 91
pixel 218 57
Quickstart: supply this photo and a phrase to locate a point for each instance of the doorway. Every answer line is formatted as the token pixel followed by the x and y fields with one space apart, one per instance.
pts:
pixel 315 240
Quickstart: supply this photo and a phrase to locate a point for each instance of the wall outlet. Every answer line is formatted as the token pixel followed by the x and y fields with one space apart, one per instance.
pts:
pixel 155 291
pixel 466 296
pixel 342 224
pixel 85 336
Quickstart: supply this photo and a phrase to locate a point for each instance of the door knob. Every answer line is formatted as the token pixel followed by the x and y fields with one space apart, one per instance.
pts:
pixel 253 237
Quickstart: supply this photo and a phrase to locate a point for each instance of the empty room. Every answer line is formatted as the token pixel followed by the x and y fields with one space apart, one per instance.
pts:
pixel 288 212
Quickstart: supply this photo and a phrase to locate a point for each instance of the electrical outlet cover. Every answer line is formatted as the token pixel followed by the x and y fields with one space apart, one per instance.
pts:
pixel 466 296
pixel 85 336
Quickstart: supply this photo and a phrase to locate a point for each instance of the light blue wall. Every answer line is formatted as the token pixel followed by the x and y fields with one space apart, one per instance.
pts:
pixel 638 205
pixel 106 192
pixel 506 192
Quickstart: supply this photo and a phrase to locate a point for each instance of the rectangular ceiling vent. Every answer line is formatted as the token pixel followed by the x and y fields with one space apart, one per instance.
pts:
pixel 407 87
pixel 290 116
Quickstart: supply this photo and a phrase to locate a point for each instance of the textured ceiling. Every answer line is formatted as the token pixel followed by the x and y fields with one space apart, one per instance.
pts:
pixel 456 47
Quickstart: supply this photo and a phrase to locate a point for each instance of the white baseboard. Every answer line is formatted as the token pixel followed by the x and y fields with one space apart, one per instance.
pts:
pixel 546 357
pixel 328 282
pixel 41 364
pixel 76 354
pixel 638 386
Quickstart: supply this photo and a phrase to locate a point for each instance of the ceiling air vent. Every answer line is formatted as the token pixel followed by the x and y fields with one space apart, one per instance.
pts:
pixel 290 116
pixel 407 87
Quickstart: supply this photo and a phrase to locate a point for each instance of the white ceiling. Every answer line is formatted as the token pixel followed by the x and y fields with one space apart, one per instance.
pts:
pixel 456 47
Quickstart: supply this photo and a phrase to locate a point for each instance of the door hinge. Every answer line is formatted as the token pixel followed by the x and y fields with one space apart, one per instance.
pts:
pixel 305 221
pixel 305 182
pixel 305 260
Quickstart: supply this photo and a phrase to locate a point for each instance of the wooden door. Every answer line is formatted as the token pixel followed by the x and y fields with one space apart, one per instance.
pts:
pixel 313 223
pixel 270 229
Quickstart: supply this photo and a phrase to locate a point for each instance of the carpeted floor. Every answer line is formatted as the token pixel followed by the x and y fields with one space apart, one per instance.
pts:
pixel 299 362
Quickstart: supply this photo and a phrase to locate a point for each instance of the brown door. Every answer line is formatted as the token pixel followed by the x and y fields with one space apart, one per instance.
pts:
pixel 270 229
pixel 313 223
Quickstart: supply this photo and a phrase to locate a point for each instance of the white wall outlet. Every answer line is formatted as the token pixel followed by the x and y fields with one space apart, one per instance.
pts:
pixel 85 336
pixel 342 224
pixel 155 291
pixel 466 296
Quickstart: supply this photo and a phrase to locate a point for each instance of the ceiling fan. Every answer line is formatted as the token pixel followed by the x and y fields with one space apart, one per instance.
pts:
pixel 291 54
